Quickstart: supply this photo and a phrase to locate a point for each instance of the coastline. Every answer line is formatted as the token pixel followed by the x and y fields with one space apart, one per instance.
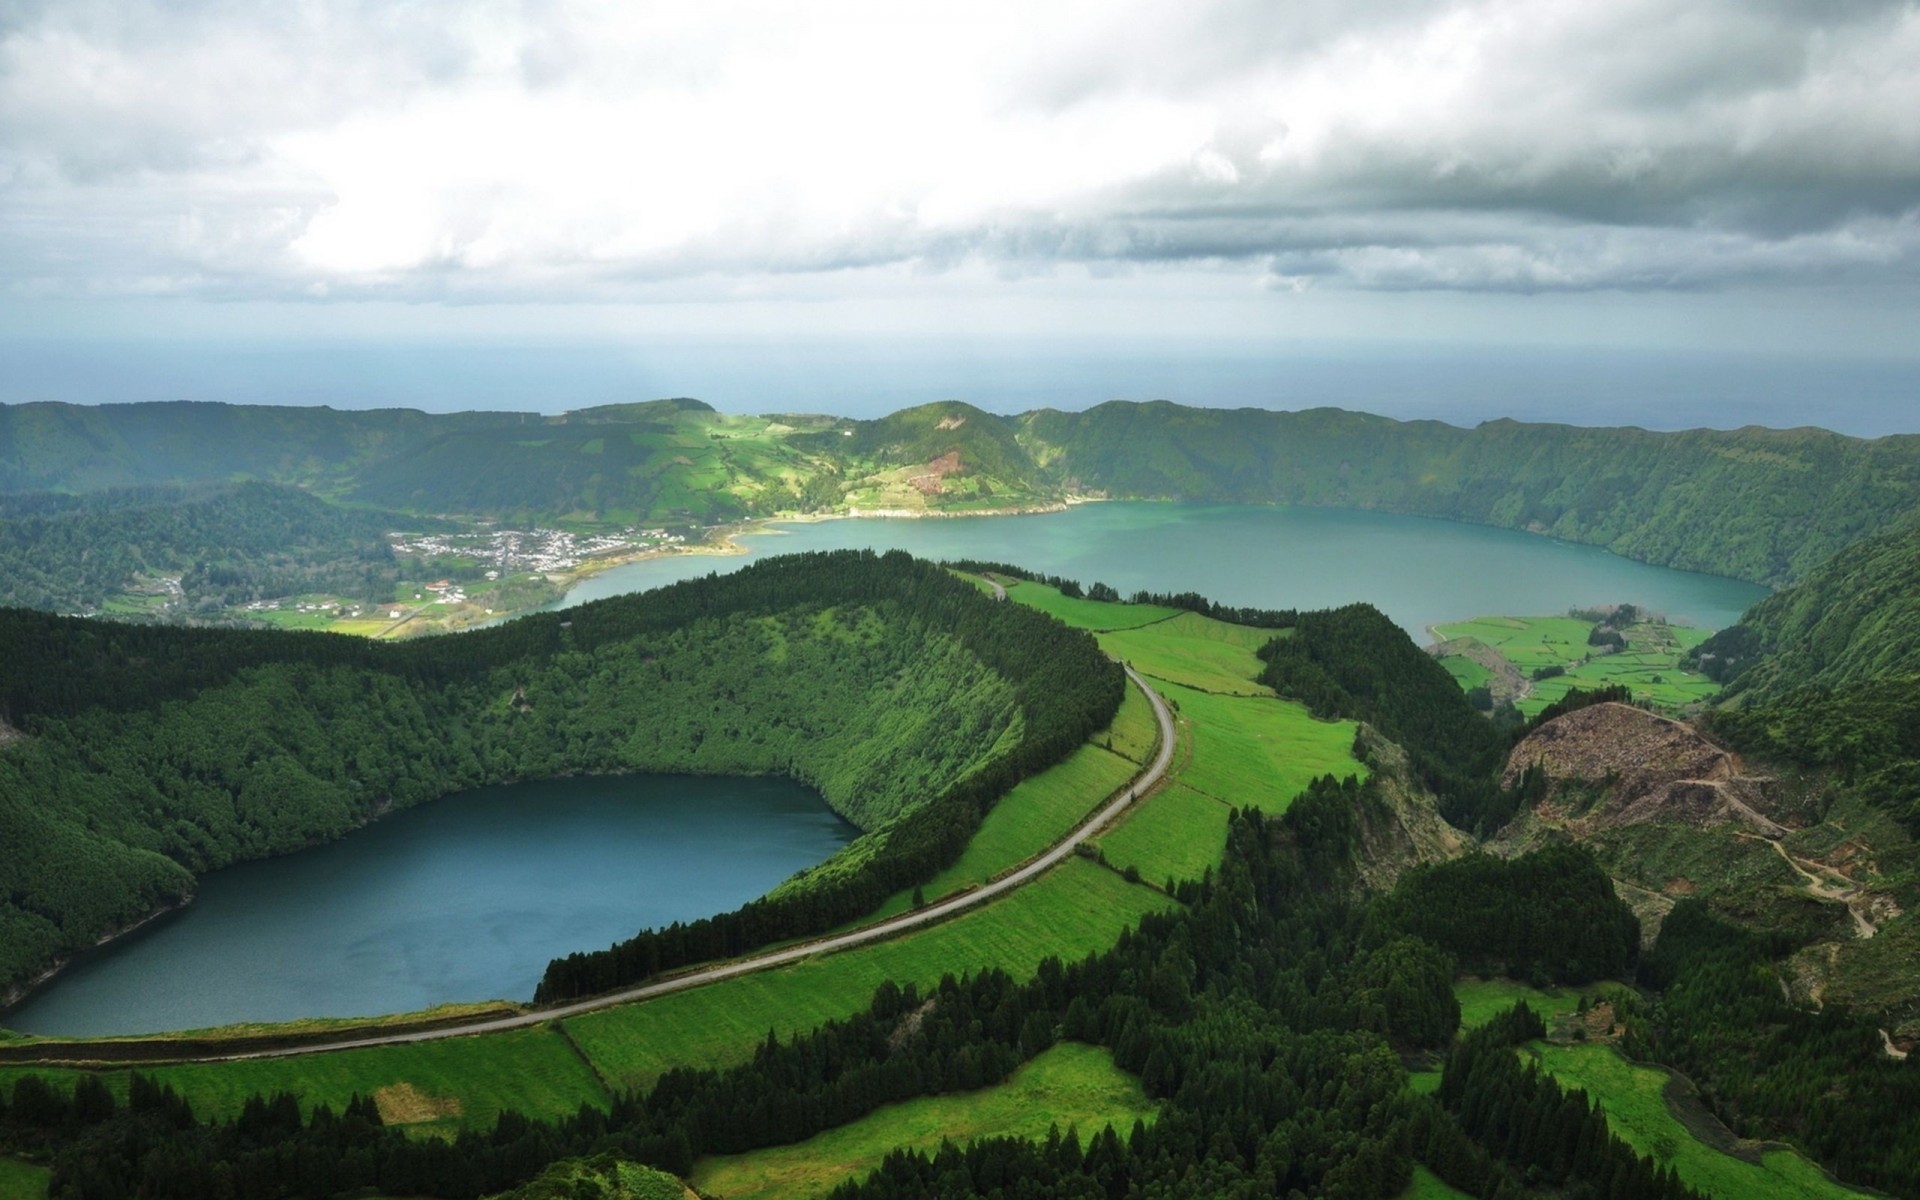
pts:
pixel 723 542
pixel 20 992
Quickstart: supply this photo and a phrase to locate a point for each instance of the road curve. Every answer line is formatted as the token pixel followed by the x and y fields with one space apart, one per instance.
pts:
pixel 1000 885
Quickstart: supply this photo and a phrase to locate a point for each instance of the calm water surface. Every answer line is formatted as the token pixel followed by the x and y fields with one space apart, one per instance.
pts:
pixel 465 898
pixel 469 897
pixel 1418 571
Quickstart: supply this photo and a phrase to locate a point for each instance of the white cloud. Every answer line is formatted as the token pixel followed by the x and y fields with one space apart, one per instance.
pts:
pixel 576 151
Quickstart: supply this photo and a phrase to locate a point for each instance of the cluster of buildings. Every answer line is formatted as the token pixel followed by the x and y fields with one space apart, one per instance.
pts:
pixel 511 550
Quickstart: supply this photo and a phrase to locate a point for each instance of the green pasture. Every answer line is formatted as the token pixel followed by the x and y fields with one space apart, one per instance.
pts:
pixel 1428 1186
pixel 1083 613
pixel 1527 642
pixel 22 1181
pixel 1134 733
pixel 1073 911
pixel 1466 672
pixel 1069 1086
pixel 1195 651
pixel 1649 666
pixel 531 1071
pixel 1033 816
pixel 1176 833
pixel 1635 1100
pixel 1257 750
pixel 1481 1000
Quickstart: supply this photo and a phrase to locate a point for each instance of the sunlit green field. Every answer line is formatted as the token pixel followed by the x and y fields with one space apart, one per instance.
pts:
pixel 1481 1000
pixel 1073 911
pixel 1649 666
pixel 1527 642
pixel 1177 833
pixel 1428 1186
pixel 1069 1086
pixel 1258 751
pixel 1027 820
pixel 1637 1111
pixel 1083 613
pixel 20 1181
pixel 1195 651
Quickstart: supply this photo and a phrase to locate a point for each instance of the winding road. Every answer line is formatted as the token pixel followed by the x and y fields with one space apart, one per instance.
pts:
pixel 940 910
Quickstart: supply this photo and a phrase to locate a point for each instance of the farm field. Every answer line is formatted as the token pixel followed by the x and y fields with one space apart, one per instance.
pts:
pixel 1481 1000
pixel 1195 651
pixel 1177 834
pixel 1074 910
pixel 22 1181
pixel 444 1084
pixel 1257 750
pixel 1428 1186
pixel 1034 815
pixel 1637 1110
pixel 1069 1086
pixel 1649 666
pixel 1083 613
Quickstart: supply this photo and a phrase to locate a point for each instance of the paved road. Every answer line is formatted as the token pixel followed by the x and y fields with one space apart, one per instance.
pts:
pixel 937 911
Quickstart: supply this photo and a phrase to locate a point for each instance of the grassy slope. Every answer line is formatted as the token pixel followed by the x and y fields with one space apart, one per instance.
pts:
pixel 1069 1085
pixel 1259 751
pixel 1195 651
pixel 1071 912
pixel 19 1181
pixel 1636 1106
pixel 1084 613
pixel 1650 665
pixel 1177 834
pixel 1428 1186
pixel 1637 1111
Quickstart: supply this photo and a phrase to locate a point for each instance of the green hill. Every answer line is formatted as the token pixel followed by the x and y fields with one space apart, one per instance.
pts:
pixel 1759 504
pixel 908 698
pixel 219 544
pixel 1854 619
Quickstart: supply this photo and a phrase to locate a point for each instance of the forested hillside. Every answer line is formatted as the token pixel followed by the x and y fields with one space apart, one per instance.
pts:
pixel 219 545
pixel 1856 618
pixel 908 698
pixel 1759 504
pixel 1267 1016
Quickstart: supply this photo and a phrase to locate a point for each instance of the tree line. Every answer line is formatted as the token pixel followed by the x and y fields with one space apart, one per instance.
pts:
pixel 910 700
pixel 1267 1015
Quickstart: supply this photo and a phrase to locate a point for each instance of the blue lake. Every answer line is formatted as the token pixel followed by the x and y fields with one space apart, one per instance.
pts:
pixel 465 898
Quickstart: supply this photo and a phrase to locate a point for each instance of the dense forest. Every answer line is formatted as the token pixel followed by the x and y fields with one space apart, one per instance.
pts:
pixel 909 699
pixel 1764 505
pixel 1267 1015
pixel 1855 618
pixel 222 544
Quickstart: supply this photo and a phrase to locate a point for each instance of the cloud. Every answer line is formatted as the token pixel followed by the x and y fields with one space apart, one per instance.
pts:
pixel 570 150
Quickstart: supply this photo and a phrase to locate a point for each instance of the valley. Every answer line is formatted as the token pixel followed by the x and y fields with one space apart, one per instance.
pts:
pixel 1264 798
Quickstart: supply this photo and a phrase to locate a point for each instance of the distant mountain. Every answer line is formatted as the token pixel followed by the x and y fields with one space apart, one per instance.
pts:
pixel 1758 504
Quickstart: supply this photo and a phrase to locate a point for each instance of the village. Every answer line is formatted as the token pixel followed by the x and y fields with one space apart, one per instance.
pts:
pixel 543 550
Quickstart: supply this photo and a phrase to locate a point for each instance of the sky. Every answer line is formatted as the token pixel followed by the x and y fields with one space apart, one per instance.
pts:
pixel 1695 211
